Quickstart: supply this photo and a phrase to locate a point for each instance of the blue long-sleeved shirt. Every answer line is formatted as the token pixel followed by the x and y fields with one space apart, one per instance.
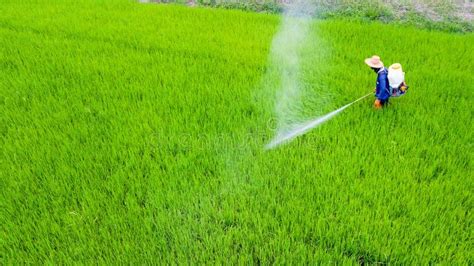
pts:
pixel 382 91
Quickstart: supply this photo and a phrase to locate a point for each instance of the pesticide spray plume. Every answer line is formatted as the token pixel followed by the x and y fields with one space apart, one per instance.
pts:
pixel 285 58
pixel 285 54
pixel 302 129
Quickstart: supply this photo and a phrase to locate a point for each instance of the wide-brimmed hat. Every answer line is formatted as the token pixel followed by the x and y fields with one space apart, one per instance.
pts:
pixel 374 62
pixel 395 67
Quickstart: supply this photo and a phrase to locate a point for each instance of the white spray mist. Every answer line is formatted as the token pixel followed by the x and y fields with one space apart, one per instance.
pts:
pixel 286 54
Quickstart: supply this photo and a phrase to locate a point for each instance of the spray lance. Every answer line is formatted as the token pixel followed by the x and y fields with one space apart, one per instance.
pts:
pixel 304 128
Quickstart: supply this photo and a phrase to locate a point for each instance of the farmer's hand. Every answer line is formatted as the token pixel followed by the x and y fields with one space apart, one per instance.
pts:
pixel 377 104
pixel 403 87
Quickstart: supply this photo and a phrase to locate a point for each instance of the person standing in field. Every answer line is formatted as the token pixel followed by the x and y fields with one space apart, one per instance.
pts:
pixel 382 89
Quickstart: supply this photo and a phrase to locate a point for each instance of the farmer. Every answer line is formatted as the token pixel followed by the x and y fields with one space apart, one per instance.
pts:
pixel 382 90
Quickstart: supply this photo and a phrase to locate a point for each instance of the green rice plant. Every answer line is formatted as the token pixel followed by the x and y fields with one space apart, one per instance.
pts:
pixel 443 15
pixel 134 133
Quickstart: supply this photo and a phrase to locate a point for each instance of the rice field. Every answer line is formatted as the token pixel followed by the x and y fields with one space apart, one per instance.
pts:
pixel 134 133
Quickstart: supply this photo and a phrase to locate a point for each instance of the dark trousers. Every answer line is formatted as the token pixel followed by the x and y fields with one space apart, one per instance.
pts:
pixel 384 102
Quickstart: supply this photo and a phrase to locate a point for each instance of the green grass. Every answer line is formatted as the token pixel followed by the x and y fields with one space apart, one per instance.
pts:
pixel 134 133
pixel 440 15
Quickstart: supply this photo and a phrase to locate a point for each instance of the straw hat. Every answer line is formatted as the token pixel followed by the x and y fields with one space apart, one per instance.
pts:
pixel 374 62
pixel 395 67
pixel 395 75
